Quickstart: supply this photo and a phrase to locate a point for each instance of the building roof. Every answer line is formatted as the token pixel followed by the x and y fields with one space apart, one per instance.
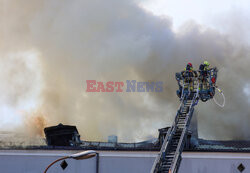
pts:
pixel 202 146
pixel 9 140
pixel 221 146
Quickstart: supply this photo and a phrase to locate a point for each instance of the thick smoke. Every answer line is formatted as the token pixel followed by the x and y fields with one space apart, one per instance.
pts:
pixel 117 40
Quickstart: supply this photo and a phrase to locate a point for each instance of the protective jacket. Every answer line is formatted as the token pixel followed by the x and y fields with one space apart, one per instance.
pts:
pixel 188 74
pixel 204 69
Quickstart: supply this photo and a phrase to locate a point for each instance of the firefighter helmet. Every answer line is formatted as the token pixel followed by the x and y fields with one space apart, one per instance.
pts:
pixel 206 63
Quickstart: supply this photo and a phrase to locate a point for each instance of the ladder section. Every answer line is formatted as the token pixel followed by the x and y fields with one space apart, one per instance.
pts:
pixel 169 157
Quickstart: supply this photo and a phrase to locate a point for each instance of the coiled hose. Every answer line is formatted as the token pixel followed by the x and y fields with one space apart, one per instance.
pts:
pixel 224 100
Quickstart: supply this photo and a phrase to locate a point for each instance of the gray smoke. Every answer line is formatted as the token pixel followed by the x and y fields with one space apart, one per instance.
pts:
pixel 117 40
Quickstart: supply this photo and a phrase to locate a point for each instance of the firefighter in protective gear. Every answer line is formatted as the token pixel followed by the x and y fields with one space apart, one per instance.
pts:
pixel 188 75
pixel 203 76
pixel 206 65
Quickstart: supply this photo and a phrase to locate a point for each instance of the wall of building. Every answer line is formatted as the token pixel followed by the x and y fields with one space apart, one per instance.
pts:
pixel 209 162
pixel 35 161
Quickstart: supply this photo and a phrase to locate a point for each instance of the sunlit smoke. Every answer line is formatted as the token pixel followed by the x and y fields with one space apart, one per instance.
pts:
pixel 117 40
pixel 35 123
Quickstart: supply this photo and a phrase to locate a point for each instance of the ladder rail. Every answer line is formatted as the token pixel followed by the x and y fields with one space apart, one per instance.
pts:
pixel 175 165
pixel 160 154
pixel 167 139
pixel 179 130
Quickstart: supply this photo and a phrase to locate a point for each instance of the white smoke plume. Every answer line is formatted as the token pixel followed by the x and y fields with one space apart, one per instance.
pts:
pixel 117 40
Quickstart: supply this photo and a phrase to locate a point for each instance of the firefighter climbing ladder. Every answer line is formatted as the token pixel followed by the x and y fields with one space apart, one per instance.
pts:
pixel 169 158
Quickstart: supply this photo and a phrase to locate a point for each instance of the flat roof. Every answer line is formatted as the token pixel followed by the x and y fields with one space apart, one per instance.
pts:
pixel 201 146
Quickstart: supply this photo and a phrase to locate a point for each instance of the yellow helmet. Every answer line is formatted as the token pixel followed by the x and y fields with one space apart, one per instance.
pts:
pixel 206 63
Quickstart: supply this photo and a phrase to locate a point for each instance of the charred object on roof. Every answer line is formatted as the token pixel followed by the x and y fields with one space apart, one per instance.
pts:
pixel 62 135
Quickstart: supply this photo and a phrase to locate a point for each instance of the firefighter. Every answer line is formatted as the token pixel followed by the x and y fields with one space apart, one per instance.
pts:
pixel 188 75
pixel 204 74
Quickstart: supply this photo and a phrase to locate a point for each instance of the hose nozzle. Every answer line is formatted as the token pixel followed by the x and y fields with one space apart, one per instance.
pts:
pixel 220 91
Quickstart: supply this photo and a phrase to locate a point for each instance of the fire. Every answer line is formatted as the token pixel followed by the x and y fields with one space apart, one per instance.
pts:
pixel 38 123
pixel 35 123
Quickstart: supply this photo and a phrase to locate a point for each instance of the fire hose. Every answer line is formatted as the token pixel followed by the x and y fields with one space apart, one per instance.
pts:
pixel 223 96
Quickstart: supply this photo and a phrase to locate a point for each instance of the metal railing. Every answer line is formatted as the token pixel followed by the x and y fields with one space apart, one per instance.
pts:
pixel 177 156
pixel 176 160
pixel 161 154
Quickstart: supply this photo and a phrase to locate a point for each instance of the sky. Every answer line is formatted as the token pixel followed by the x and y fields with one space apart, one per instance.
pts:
pixel 201 11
